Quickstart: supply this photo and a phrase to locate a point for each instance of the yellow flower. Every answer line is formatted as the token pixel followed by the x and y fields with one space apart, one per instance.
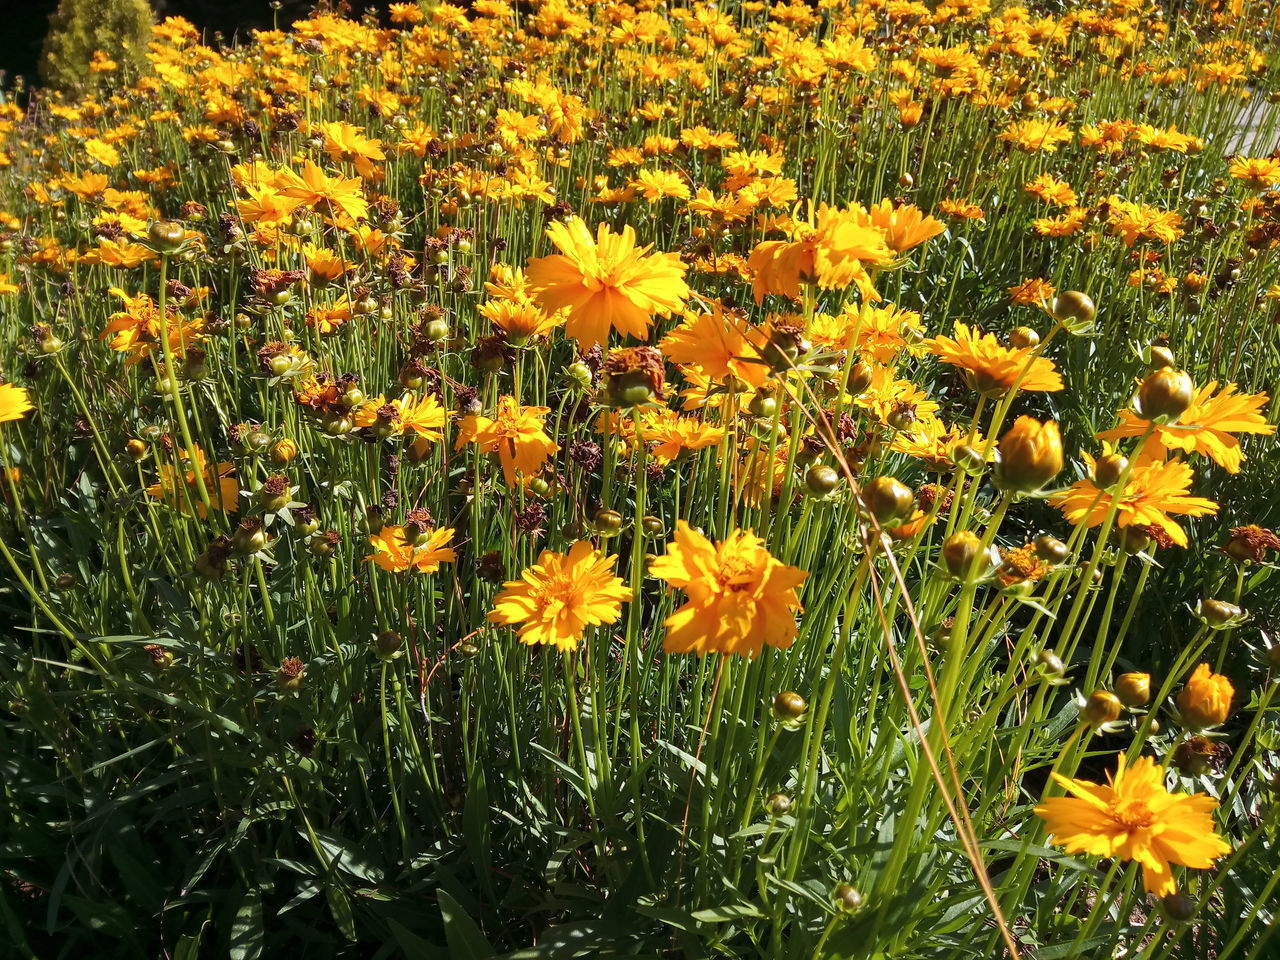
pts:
pixel 831 249
pixel 1257 174
pixel 605 282
pixel 905 226
pixel 316 189
pixel 15 403
pixel 1029 455
pixel 522 319
pixel 739 596
pixel 1134 817
pixel 515 434
pixel 1035 134
pixel 1152 491
pixel 392 550
pixel 560 596
pixel 993 368
pixel 421 417
pixel 1205 427
pixel 1206 699
pixel 722 343
pixel 179 487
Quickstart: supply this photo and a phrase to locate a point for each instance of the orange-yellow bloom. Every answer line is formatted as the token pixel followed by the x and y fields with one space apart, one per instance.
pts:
pixel 561 595
pixel 723 344
pixel 1135 817
pixel 992 367
pixel 394 552
pixel 179 487
pixel 1205 427
pixel 15 403
pixel 1152 491
pixel 739 596
pixel 605 282
pixel 515 434
pixel 833 250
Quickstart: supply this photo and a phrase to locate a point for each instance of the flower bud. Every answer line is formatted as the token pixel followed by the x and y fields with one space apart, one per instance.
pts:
pixel 166 236
pixel 1195 756
pixel 608 523
pixel 1178 907
pixel 777 805
pixel 789 707
pixel 290 675
pixel 1133 540
pixel 136 449
pixel 1102 707
pixel 1165 395
pixel 1051 550
pixel 388 645
pixel 888 499
pixel 1205 701
pixel 960 554
pixel 860 378
pixel 968 459
pixel 1134 689
pixel 1029 455
pixel 1219 614
pixel 1108 469
pixel 1074 310
pixel 848 899
pixel 1023 337
pixel 1160 356
pixel 283 451
pixel 820 479
pixel 1049 661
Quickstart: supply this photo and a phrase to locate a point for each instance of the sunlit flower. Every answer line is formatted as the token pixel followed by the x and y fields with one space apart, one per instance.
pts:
pixel 393 551
pixel 15 403
pixel 739 596
pixel 515 434
pixel 179 487
pixel 992 367
pixel 1135 817
pixel 1205 701
pixel 557 598
pixel 605 282
pixel 1152 492
pixel 833 249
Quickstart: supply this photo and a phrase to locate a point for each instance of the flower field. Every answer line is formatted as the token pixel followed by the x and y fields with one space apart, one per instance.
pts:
pixel 591 480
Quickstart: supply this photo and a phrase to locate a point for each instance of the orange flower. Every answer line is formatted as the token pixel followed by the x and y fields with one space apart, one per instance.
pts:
pixel 1205 427
pixel 831 249
pixel 1206 699
pixel 561 595
pixel 739 596
pixel 15 403
pixel 605 282
pixel 723 344
pixel 394 552
pixel 516 435
pixel 180 488
pixel 321 192
pixel 1152 491
pixel 1135 817
pixel 905 226
pixel 993 368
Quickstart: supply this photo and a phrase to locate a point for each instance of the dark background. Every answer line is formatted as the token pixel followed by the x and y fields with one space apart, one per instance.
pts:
pixel 23 23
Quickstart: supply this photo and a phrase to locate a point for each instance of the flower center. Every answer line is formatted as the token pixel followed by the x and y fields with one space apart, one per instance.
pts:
pixel 1132 814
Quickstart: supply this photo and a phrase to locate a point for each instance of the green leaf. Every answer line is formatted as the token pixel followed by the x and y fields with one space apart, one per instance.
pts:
pixel 465 940
pixel 247 931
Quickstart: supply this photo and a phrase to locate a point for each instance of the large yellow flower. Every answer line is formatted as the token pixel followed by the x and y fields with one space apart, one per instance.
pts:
pixel 1134 817
pixel 15 403
pixel 560 596
pixel 1152 492
pixel 394 552
pixel 420 417
pixel 905 226
pixel 1204 427
pixel 740 596
pixel 722 344
pixel 515 434
pixel 832 249
pixel 332 195
pixel 992 367
pixel 605 282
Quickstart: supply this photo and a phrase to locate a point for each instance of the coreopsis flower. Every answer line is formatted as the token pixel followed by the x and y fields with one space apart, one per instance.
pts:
pixel 1257 173
pixel 833 249
pixel 1205 701
pixel 1152 492
pixel 1034 134
pixel 557 598
pixel 904 226
pixel 178 486
pixel 515 434
pixel 1205 427
pixel 1132 222
pixel 419 417
pixel 605 282
pixel 1051 190
pixel 522 319
pixel 1032 292
pixel 15 403
pixel 672 434
pixel 395 551
pixel 1251 543
pixel 739 596
pixel 332 195
pixel 1135 817
pixel 136 329
pixel 722 343
pixel 346 143
pixel 992 367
